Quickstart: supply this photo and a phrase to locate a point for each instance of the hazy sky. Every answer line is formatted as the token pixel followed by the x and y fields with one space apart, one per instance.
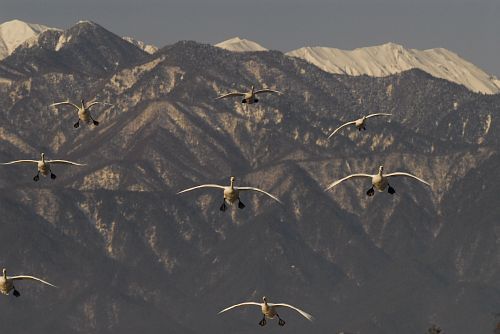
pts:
pixel 470 28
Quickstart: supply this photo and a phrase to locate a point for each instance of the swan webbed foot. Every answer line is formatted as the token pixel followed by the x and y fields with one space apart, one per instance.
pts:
pixel 223 207
pixel 77 124
pixel 364 128
pixel 255 100
pixel 370 192
pixel 241 205
pixel 53 176
pixel 96 123
pixel 391 190
pixel 16 293
pixel 263 322
pixel 244 101
pixel 281 322
pixel 36 177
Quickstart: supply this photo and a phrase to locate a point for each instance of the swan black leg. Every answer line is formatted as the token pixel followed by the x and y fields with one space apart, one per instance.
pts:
pixel 52 176
pixel 77 124
pixel 96 123
pixel 370 192
pixel 263 321
pixel 391 190
pixel 223 206
pixel 36 177
pixel 16 293
pixel 281 322
pixel 240 204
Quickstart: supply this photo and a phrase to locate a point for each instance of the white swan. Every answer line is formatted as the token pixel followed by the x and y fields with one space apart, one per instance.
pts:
pixel 43 166
pixel 7 282
pixel 379 181
pixel 83 111
pixel 249 97
pixel 269 310
pixel 231 193
pixel 359 123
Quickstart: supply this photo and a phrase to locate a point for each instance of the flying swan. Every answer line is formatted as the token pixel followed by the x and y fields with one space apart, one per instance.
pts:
pixel 7 283
pixel 231 193
pixel 83 111
pixel 380 181
pixel 359 123
pixel 43 166
pixel 269 310
pixel 249 97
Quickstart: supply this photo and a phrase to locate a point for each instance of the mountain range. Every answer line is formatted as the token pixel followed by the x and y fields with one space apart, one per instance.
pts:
pixel 129 254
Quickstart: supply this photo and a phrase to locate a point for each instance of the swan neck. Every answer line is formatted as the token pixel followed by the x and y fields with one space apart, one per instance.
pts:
pixel 4 274
pixel 232 184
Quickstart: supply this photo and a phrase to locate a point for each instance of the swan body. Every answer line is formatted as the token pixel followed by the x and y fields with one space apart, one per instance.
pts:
pixel 231 193
pixel 249 97
pixel 360 123
pixel 7 282
pixel 270 310
pixel 43 165
pixel 380 181
pixel 83 111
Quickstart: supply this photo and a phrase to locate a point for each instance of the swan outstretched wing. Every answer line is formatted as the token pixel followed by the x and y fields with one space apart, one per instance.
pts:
pixel 229 95
pixel 202 186
pixel 97 102
pixel 406 174
pixel 340 127
pixel 65 103
pixel 260 91
pixel 241 304
pixel 260 191
pixel 65 162
pixel 23 277
pixel 378 114
pixel 346 178
pixel 19 162
pixel 304 314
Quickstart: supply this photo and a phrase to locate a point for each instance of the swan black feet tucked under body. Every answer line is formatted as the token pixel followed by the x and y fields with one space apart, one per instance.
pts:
pixel 16 293
pixel 263 322
pixel 370 192
pixel 240 204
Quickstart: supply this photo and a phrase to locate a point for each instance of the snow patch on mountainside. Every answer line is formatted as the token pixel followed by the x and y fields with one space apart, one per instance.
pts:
pixel 240 45
pixel 390 58
pixel 14 33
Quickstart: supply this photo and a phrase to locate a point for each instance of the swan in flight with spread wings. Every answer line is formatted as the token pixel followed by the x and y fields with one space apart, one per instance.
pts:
pixel 269 310
pixel 231 193
pixel 83 111
pixel 359 123
pixel 380 181
pixel 251 96
pixel 43 166
pixel 7 282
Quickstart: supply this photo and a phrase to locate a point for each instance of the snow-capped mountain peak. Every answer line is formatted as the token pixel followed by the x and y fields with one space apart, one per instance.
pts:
pixel 391 58
pixel 240 45
pixel 141 45
pixel 14 33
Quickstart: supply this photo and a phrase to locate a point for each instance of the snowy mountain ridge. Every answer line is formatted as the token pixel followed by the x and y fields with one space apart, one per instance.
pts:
pixel 14 33
pixel 238 44
pixel 390 58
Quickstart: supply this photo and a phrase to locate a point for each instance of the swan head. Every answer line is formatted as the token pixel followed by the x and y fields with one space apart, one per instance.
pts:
pixel 4 273
pixel 232 180
pixel 253 88
pixel 264 299
pixel 380 170
pixel 83 101
pixel 43 156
